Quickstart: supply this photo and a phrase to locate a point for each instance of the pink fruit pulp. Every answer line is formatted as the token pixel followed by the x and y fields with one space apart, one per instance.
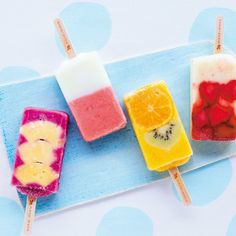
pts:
pixel 98 114
pixel 213 116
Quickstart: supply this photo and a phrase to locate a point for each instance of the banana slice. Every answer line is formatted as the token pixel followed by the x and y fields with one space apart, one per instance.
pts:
pixel 36 173
pixel 38 151
pixel 42 130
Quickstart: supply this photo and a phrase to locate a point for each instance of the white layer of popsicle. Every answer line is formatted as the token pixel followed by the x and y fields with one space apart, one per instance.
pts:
pixel 82 76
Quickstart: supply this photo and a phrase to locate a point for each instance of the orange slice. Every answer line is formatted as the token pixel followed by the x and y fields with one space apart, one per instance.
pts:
pixel 151 106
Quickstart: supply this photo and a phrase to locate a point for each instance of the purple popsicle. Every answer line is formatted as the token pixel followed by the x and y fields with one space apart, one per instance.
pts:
pixel 40 151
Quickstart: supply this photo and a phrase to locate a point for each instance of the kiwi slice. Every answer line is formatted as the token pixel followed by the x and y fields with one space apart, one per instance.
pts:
pixel 164 137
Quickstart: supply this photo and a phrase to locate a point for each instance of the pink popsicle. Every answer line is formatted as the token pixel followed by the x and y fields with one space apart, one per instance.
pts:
pixel 88 91
pixel 91 98
pixel 97 114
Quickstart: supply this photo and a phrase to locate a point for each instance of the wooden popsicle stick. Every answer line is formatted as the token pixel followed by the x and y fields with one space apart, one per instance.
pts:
pixel 64 38
pixel 219 34
pixel 29 215
pixel 180 186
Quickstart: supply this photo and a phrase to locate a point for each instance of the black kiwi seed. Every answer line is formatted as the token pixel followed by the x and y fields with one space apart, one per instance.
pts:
pixel 166 135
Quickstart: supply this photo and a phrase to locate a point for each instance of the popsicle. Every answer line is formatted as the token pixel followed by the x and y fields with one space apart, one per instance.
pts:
pixel 39 156
pixel 213 94
pixel 88 92
pixel 159 131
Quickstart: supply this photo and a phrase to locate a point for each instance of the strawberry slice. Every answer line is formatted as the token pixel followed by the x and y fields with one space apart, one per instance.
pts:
pixel 218 114
pixel 205 133
pixel 209 91
pixel 223 102
pixel 200 118
pixel 232 122
pixel 228 91
pixel 224 132
pixel 199 106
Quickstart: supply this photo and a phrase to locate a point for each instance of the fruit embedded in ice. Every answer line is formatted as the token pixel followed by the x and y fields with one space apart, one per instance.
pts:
pixel 228 91
pixel 164 137
pixel 225 131
pixel 38 151
pixel 214 98
pixel 36 173
pixel 223 102
pixel 42 130
pixel 151 106
pixel 200 118
pixel 219 114
pixel 232 122
pixel 209 91
pixel 204 133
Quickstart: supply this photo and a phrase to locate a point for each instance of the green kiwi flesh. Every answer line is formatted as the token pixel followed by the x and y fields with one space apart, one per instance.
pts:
pixel 164 137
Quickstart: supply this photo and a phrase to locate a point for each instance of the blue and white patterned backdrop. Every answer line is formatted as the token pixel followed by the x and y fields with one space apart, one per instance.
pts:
pixel 118 27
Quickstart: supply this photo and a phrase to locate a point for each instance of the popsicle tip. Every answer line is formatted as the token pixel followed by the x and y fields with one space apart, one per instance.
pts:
pixel 68 47
pixel 56 21
pixel 219 34
pixel 220 17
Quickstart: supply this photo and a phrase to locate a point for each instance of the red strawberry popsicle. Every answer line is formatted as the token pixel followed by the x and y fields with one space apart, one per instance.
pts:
pixel 213 98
